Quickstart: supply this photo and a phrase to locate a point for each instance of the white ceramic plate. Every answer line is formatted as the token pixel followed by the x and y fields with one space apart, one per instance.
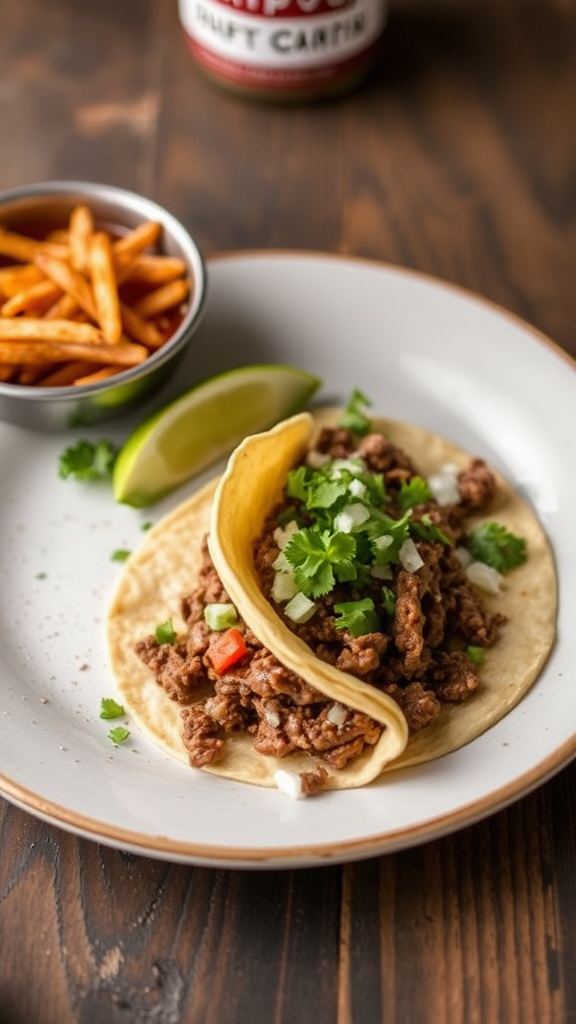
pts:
pixel 424 352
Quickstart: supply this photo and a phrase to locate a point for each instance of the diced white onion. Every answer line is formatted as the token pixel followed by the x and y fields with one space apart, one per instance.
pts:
pixel 484 577
pixel 289 783
pixel 381 572
pixel 284 587
pixel 444 485
pixel 272 717
pixel 357 488
pixel 410 557
pixel 355 466
pixel 351 517
pixel 282 534
pixel 383 542
pixel 337 714
pixel 300 608
pixel 463 556
pixel 281 563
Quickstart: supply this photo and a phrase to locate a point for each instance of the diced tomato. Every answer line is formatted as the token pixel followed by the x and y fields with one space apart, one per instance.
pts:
pixel 226 650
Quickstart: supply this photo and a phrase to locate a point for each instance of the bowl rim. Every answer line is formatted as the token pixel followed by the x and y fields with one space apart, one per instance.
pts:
pixel 149 209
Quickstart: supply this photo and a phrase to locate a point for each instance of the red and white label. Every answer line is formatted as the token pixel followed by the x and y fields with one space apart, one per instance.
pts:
pixel 264 40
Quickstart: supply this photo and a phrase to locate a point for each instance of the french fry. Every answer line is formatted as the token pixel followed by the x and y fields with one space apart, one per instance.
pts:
pixel 19 247
pixel 15 278
pixel 24 352
pixel 136 241
pixel 32 373
pixel 15 329
pixel 65 308
pixel 6 372
pixel 97 375
pixel 66 374
pixel 81 229
pixel 104 287
pixel 37 297
pixel 163 298
pixel 69 280
pixel 139 329
pixel 152 271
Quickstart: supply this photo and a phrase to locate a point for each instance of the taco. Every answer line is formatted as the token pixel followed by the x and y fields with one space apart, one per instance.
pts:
pixel 326 611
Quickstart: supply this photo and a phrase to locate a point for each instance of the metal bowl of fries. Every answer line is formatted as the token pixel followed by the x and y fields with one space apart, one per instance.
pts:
pixel 100 292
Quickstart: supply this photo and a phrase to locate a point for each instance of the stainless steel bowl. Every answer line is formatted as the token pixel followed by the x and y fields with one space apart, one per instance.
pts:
pixel 59 408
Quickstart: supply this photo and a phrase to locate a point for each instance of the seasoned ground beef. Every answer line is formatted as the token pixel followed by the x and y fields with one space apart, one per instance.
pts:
pixel 417 656
pixel 419 659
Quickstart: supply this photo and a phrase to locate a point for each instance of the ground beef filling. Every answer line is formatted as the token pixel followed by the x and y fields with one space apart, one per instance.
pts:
pixel 419 660
pixel 258 695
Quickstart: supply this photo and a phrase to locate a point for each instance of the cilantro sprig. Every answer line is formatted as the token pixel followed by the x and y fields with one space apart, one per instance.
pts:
pixel 110 708
pixel 165 632
pixel 87 460
pixel 493 544
pixel 358 617
pixel 320 558
pixel 354 417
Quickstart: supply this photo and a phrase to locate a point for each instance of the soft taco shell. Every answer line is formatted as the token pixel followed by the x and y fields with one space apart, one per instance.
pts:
pixel 250 488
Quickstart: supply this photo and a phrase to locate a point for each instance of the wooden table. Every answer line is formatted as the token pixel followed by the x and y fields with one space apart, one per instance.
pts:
pixel 459 160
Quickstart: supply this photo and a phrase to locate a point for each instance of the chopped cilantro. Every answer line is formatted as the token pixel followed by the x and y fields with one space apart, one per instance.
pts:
pixel 493 544
pixel 425 528
pixel 358 617
pixel 413 492
pixel 109 708
pixel 320 558
pixel 165 632
pixel 354 417
pixel 41 575
pixel 388 600
pixel 87 461
pixel 476 655
pixel 146 525
pixel 120 555
pixel 119 734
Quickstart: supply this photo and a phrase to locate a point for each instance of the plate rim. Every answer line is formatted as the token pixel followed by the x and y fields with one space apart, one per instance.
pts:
pixel 331 851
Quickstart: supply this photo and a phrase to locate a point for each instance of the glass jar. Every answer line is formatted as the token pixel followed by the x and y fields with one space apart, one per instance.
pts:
pixel 284 49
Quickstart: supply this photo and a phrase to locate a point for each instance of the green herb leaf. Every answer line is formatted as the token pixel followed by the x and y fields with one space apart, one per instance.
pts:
pixel 109 708
pixel 358 617
pixel 120 555
pixel 319 558
pixel 476 655
pixel 425 528
pixel 354 417
pixel 413 492
pixel 119 734
pixel 87 461
pixel 388 601
pixel 493 544
pixel 165 632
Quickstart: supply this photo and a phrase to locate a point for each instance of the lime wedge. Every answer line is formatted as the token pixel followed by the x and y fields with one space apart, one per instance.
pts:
pixel 203 425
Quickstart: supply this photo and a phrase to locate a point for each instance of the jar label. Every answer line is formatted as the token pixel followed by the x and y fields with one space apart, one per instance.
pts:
pixel 250 40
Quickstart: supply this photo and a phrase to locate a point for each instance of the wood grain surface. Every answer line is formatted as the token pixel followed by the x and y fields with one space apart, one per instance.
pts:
pixel 457 159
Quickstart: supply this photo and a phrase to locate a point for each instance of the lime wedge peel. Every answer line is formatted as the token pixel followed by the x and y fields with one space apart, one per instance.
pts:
pixel 203 425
